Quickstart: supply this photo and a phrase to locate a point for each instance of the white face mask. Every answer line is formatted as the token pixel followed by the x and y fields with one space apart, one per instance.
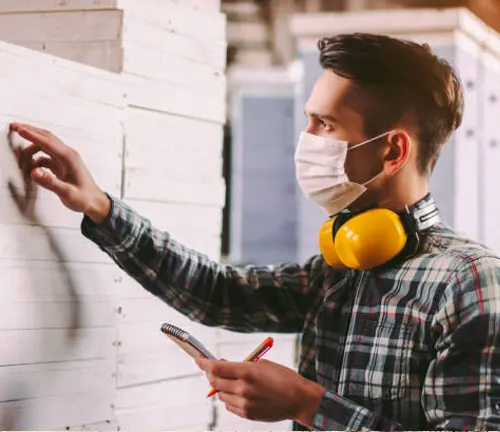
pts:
pixel 320 171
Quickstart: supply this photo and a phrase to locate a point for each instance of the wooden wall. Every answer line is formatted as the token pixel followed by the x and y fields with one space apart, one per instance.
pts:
pixel 81 346
pixel 58 332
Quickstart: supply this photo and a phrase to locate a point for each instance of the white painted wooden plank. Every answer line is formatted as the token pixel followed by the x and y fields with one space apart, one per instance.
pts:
pixel 48 413
pixel 106 55
pixel 110 151
pixel 84 141
pixel 11 6
pixel 104 425
pixel 54 75
pixel 144 127
pixel 154 311
pixel 45 281
pixel 56 379
pixel 61 26
pixel 191 390
pixel 22 242
pixel 138 32
pixel 144 185
pixel 61 314
pixel 148 310
pixel 130 289
pixel 134 370
pixel 35 346
pixel 108 180
pixel 172 99
pixel 157 418
pixel 206 5
pixel 170 69
pixel 98 119
pixel 47 60
pixel 175 162
pixel 49 210
pixel 178 19
pixel 106 169
pixel 181 217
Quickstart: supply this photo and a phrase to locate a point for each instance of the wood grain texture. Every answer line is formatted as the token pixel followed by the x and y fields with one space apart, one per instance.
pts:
pixel 171 69
pixel 138 32
pixel 171 99
pixel 12 6
pixel 107 55
pixel 74 316
pixel 154 418
pixel 62 26
pixel 175 17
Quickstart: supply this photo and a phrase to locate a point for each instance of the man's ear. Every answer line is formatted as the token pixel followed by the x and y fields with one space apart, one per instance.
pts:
pixel 397 152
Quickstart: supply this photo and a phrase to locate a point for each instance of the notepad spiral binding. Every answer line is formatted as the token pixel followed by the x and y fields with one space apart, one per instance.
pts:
pixel 175 331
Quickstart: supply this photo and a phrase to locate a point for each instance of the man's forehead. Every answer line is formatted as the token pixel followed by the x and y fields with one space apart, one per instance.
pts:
pixel 330 95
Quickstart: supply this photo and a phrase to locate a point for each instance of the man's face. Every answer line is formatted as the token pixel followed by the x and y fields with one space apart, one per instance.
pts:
pixel 334 111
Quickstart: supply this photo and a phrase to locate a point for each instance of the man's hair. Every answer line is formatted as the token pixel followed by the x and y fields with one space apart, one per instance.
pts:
pixel 401 79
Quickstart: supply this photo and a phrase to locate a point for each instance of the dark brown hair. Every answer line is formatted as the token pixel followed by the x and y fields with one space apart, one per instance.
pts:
pixel 400 79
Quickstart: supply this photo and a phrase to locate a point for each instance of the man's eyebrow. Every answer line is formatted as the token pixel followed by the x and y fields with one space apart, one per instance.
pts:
pixel 328 117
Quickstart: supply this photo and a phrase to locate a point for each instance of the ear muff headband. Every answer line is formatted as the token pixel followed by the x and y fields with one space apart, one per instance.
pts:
pixel 365 240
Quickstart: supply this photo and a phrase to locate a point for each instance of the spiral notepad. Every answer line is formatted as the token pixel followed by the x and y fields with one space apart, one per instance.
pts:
pixel 187 342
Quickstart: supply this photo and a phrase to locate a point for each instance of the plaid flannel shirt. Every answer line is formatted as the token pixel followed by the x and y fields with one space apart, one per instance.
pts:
pixel 410 347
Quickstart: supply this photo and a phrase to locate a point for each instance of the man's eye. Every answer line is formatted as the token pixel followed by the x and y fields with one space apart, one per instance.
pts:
pixel 324 124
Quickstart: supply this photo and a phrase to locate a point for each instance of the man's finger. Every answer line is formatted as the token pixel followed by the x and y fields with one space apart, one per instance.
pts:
pixel 236 410
pixel 15 125
pixel 48 180
pixel 231 399
pixel 45 162
pixel 229 386
pixel 52 147
pixel 25 157
pixel 224 369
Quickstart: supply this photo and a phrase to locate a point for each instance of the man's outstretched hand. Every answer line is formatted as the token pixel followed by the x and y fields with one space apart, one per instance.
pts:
pixel 263 390
pixel 60 170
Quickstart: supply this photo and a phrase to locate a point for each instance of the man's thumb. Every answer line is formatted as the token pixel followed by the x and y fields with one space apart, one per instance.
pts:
pixel 46 179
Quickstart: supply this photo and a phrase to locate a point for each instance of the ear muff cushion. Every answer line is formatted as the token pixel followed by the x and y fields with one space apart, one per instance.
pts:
pixel 370 239
pixel 327 244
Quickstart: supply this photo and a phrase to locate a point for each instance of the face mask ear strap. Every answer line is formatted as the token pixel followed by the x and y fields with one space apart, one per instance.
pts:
pixel 369 140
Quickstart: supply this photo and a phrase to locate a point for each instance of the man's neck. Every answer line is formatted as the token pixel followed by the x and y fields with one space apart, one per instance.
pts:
pixel 396 199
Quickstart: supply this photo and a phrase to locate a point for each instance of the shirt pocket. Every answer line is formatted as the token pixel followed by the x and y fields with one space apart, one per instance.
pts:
pixel 379 357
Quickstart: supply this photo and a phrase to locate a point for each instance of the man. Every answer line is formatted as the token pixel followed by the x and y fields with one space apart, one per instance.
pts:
pixel 408 344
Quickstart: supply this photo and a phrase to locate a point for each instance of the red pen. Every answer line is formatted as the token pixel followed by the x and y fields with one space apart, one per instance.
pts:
pixel 256 355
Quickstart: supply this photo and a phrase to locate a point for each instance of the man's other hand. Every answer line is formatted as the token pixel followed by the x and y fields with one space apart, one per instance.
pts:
pixel 263 390
pixel 60 170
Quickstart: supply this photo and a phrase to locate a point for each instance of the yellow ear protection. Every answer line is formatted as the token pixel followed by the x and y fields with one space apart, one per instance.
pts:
pixel 368 239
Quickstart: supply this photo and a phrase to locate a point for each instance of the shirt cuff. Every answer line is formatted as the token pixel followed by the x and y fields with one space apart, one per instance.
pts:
pixel 336 412
pixel 110 233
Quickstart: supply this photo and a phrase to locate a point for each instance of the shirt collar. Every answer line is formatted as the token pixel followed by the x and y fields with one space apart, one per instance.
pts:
pixel 425 213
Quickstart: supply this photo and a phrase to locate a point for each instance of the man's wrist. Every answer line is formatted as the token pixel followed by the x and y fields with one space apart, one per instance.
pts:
pixel 99 208
pixel 311 395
